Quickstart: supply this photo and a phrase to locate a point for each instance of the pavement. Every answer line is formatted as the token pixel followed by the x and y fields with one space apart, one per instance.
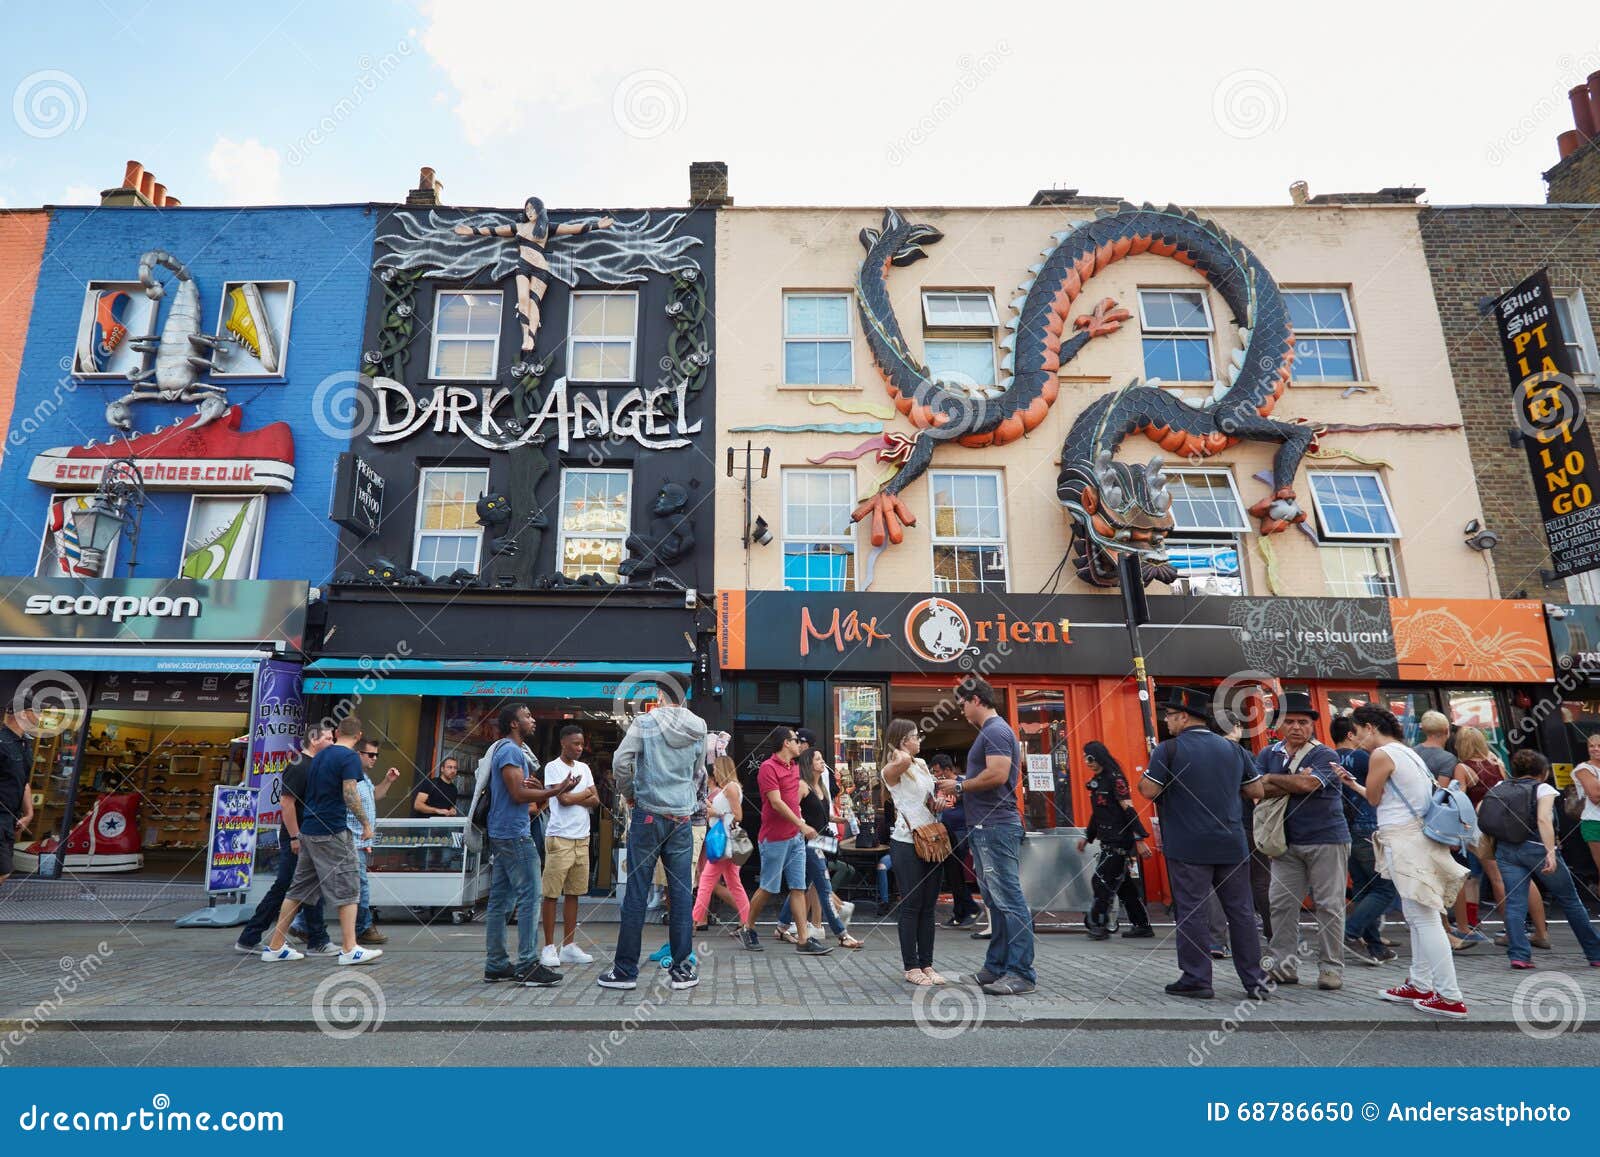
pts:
pixel 138 977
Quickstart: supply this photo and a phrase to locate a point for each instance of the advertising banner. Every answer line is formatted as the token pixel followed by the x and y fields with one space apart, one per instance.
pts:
pixel 275 735
pixel 231 846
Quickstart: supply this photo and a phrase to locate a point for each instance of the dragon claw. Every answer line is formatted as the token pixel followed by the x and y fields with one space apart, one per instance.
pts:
pixel 1106 318
pixel 890 517
pixel 1279 511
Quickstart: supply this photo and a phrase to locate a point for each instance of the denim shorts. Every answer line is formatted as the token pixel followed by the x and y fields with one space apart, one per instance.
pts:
pixel 783 865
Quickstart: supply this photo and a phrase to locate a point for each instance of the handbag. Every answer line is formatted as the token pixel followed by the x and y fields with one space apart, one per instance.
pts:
pixel 1271 814
pixel 932 842
pixel 716 841
pixel 740 846
pixel 1573 799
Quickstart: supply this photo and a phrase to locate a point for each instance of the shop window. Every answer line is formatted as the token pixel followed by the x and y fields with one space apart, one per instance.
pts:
pixel 596 513
pixel 1324 335
pixel 958 310
pixel 1408 706
pixel 965 363
pixel 969 532
pixel 1584 588
pixel 1576 332
pixel 223 538
pixel 448 533
pixel 819 541
pixel 858 723
pixel 466 334
pixel 602 336
pixel 817 340
pixel 1359 572
pixel 1047 759
pixel 1478 707
pixel 1176 324
pixel 1208 566
pixel 1208 518
pixel 60 554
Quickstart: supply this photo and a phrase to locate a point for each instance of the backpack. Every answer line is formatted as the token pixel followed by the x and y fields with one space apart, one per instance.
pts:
pixel 482 801
pixel 1510 812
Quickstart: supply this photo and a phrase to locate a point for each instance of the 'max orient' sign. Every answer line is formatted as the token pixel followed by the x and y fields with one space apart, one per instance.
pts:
pixel 1549 408
pixel 475 413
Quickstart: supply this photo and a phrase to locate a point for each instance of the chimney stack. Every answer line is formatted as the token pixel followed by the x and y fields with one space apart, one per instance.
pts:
pixel 1582 111
pixel 139 189
pixel 1300 192
pixel 1575 178
pixel 708 184
pixel 429 190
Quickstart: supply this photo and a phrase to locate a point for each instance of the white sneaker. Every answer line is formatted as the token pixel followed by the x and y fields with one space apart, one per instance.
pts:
pixel 572 954
pixel 846 910
pixel 284 953
pixel 549 957
pixel 328 949
pixel 360 955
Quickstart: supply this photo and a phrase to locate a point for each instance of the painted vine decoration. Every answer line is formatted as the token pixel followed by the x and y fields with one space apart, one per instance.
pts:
pixel 688 357
pixel 399 324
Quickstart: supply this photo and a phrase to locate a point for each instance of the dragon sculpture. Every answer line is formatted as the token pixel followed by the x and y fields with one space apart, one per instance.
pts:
pixel 1113 506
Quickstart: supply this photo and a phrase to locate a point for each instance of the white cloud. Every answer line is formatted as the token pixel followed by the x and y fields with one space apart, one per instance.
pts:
pixel 249 172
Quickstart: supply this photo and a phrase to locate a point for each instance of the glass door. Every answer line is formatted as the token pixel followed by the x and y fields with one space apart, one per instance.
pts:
pixel 1046 785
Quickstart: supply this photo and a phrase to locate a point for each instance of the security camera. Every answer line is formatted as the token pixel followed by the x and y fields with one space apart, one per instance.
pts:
pixel 691 598
pixel 761 533
pixel 1480 537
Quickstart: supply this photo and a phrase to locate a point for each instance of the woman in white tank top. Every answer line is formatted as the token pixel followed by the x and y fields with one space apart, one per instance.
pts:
pixel 1424 874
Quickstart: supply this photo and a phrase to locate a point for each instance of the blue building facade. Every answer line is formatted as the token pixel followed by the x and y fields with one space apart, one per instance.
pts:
pixel 166 485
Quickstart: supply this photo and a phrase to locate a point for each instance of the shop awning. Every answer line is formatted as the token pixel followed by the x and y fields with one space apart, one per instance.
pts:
pixel 171 660
pixel 496 680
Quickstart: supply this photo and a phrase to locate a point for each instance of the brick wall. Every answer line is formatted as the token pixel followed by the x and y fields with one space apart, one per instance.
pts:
pixel 1576 179
pixel 1473 253
pixel 22 234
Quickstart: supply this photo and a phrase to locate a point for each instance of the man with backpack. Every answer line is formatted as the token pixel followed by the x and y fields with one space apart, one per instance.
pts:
pixel 514 875
pixel 1520 814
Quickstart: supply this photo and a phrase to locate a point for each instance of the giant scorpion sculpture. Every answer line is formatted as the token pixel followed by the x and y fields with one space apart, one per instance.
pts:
pixel 1113 506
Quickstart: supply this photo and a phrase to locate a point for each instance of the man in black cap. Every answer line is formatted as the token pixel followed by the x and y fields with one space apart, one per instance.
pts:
pixel 1316 860
pixel 1199 782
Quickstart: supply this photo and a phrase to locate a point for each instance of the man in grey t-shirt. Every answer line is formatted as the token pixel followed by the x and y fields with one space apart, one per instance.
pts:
pixel 1435 734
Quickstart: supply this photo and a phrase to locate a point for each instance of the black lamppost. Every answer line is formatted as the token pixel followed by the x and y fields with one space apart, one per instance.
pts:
pixel 116 508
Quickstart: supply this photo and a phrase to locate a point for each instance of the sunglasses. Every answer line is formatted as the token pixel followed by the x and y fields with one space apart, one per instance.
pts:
pixel 369 755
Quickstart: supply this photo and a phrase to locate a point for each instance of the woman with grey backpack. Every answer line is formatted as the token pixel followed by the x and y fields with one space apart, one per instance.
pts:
pixel 1519 815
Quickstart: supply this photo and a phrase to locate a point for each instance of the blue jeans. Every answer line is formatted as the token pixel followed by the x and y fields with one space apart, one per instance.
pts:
pixel 266 913
pixel 816 877
pixel 995 856
pixel 364 904
pixel 669 839
pixel 1518 865
pixel 1373 895
pixel 513 880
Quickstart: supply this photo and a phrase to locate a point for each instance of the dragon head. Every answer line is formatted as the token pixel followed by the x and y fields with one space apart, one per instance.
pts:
pixel 1117 506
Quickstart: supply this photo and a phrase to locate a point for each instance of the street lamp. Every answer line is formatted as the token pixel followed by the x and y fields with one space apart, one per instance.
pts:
pixel 116 507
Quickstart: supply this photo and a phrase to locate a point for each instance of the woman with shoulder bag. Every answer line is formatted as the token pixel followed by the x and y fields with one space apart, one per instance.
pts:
pixel 814 810
pixel 918 846
pixel 724 805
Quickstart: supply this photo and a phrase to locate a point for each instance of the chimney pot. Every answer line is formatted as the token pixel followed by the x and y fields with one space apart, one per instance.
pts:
pixel 1569 142
pixel 1582 110
pixel 1300 192
pixel 158 194
pixel 429 190
pixel 132 175
pixel 173 203
pixel 1594 102
pixel 147 185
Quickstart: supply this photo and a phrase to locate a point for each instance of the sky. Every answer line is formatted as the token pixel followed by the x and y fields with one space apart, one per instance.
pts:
pixel 596 105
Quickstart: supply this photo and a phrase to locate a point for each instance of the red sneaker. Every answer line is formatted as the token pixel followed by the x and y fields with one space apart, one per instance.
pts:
pixel 1404 994
pixel 217 456
pixel 1443 1006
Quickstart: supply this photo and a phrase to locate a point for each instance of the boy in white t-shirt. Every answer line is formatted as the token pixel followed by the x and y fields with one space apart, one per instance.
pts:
pixel 566 849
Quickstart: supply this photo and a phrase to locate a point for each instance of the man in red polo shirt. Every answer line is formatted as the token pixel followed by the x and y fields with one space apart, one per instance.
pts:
pixel 783 845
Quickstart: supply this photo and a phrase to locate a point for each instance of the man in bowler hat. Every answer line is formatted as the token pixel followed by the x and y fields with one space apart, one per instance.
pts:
pixel 1199 781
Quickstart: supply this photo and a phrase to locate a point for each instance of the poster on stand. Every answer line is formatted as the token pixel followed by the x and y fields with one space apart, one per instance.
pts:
pixel 275 734
pixel 231 847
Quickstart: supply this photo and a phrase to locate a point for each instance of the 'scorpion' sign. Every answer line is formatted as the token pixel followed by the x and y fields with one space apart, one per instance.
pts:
pixel 1549 408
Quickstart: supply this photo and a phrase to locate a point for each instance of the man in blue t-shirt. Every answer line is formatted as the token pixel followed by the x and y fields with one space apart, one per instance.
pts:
pixel 1200 781
pixel 1317 858
pixel 327 865
pixel 513 781
pixel 1371 894
pixel 989 793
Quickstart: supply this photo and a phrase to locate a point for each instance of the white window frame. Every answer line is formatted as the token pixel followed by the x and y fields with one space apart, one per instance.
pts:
pixel 261 537
pixel 633 339
pixel 1180 333
pixel 433 341
pixel 936 540
pixel 1322 523
pixel 1238 503
pixel 562 533
pixel 1201 539
pixel 1384 545
pixel 138 321
pixel 986 342
pixel 846 538
pixel 848 337
pixel 223 309
pixel 929 295
pixel 106 571
pixel 1350 334
pixel 1578 311
pixel 418 531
